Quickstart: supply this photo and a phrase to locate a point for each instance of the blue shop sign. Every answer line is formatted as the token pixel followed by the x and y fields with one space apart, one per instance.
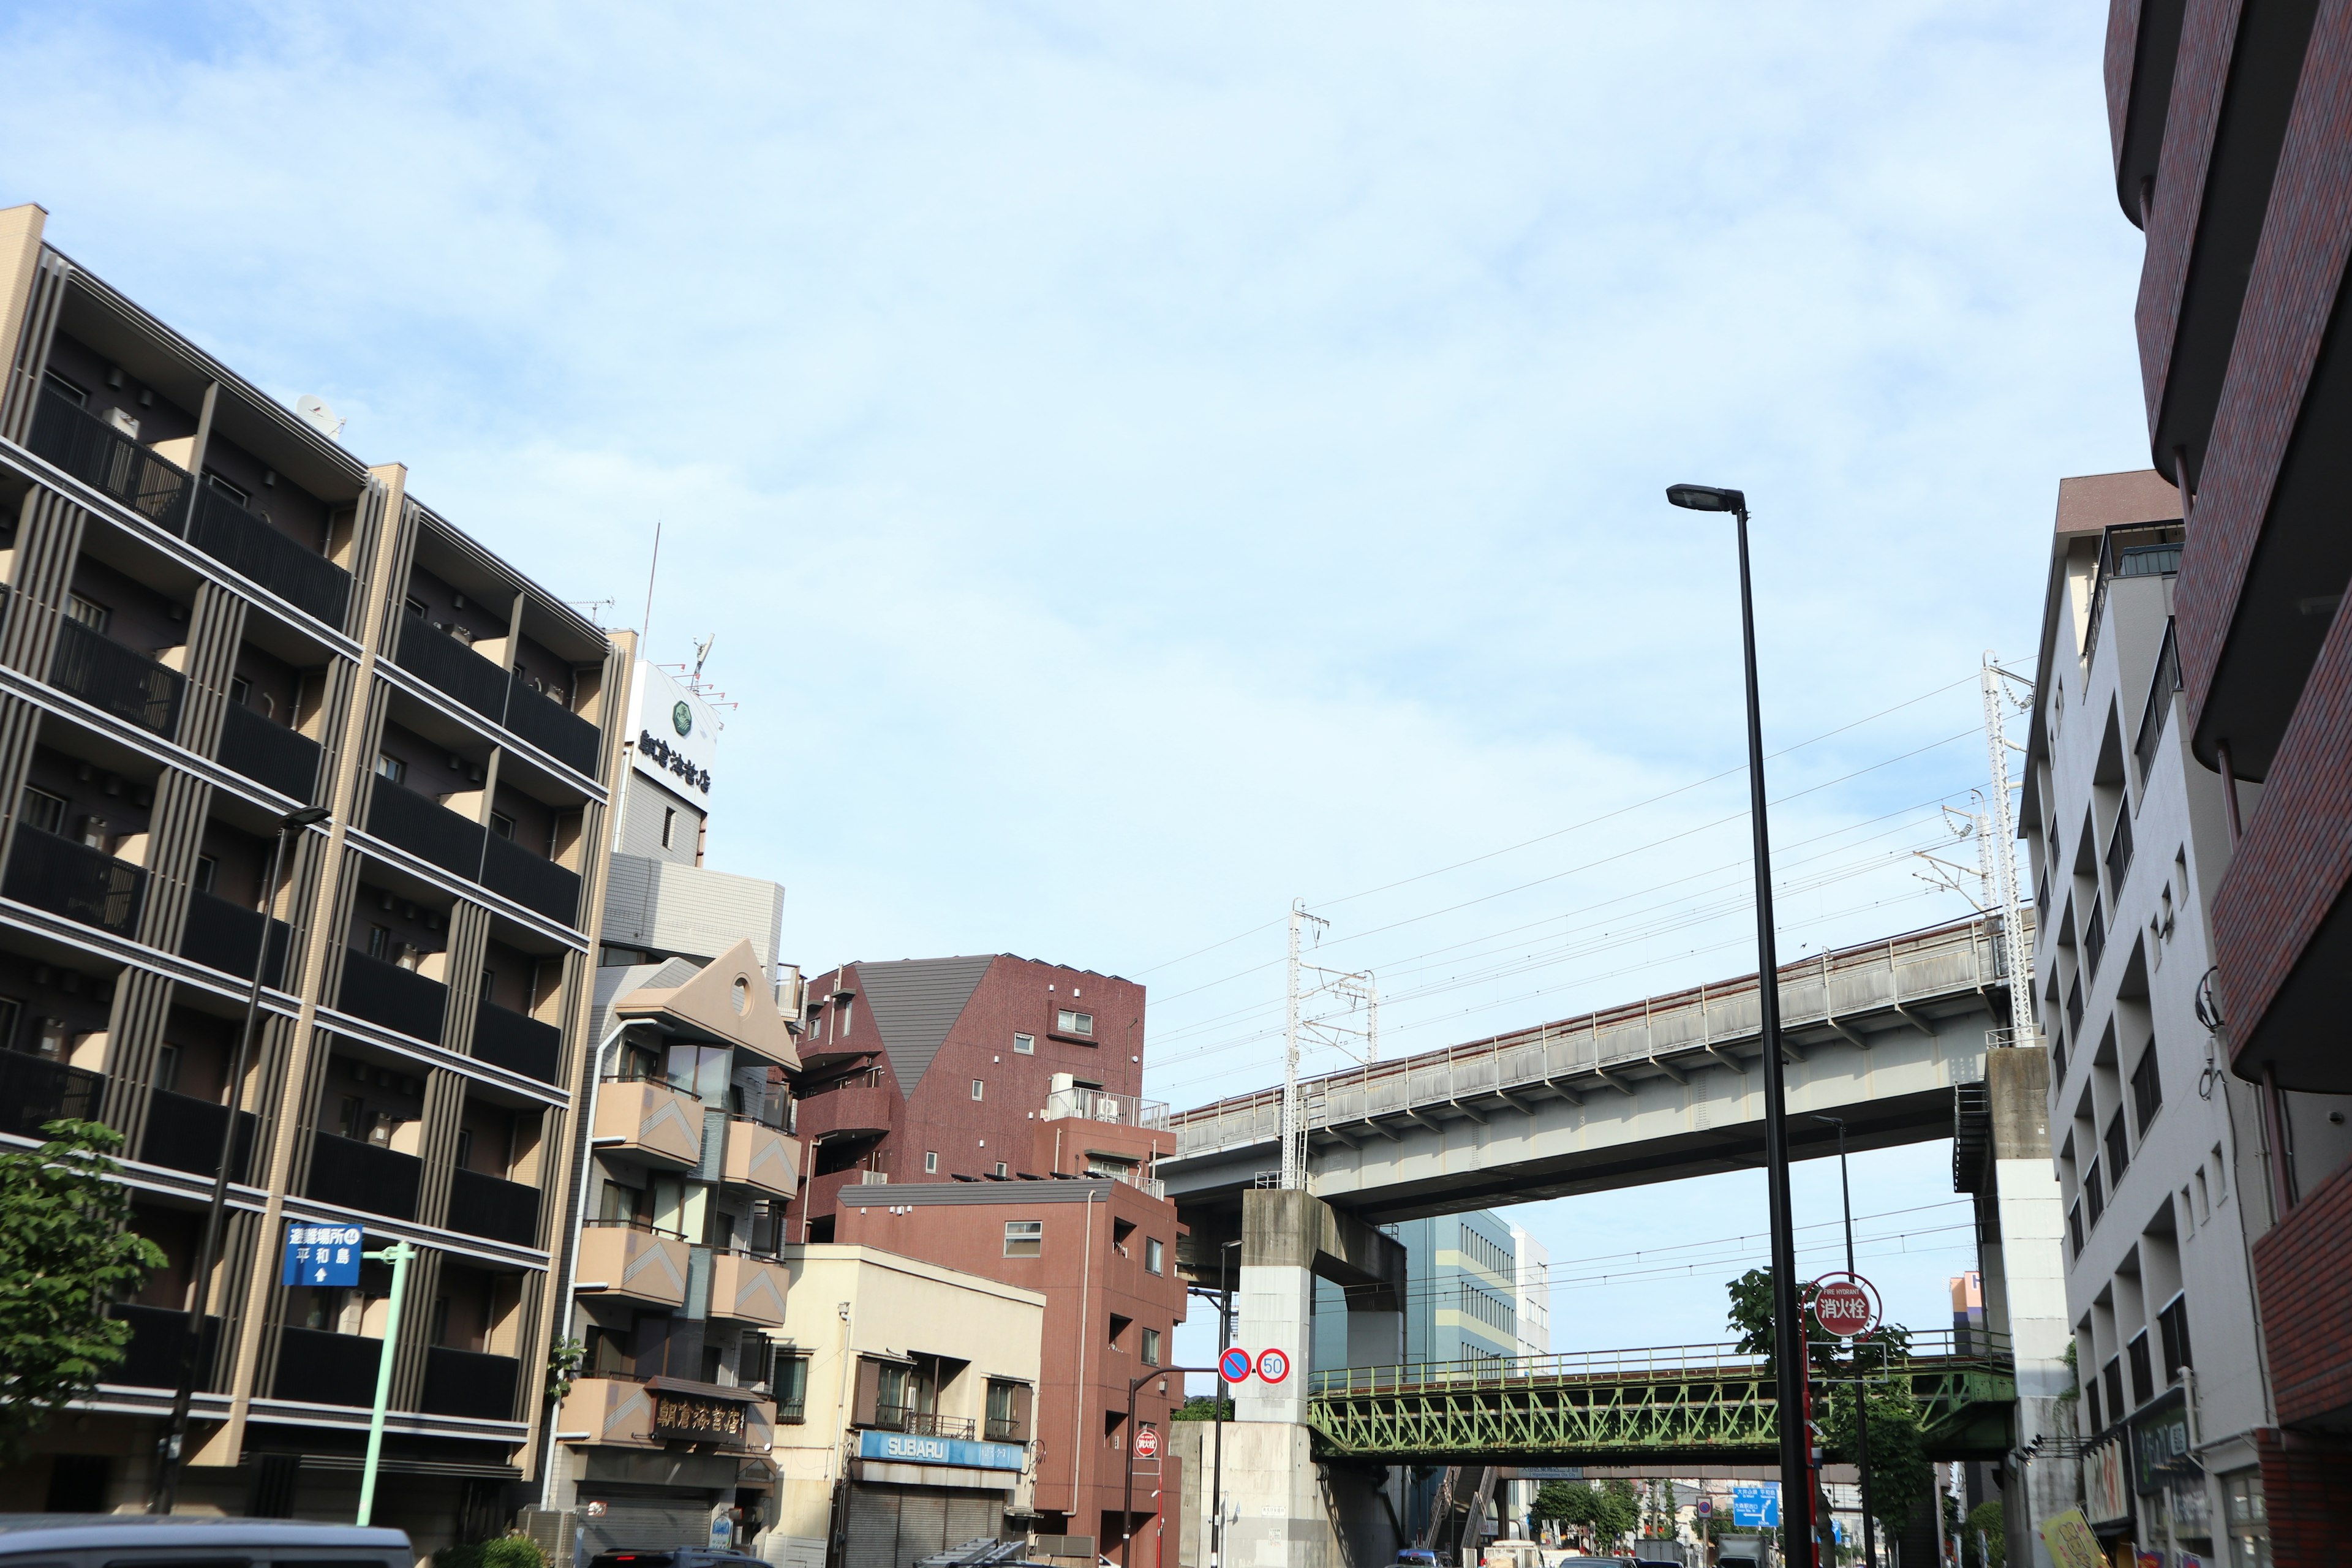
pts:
pixel 901 1448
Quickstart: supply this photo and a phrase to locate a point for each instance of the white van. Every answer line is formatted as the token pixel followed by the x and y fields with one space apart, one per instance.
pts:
pixel 138 1539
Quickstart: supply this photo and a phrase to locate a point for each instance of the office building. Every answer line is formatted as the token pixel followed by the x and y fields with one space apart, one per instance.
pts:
pixel 2227 133
pixel 216 616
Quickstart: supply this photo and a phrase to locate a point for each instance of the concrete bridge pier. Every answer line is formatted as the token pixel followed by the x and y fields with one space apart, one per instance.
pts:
pixel 1282 1510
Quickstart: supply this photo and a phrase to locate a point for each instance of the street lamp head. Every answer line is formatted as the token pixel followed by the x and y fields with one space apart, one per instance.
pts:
pixel 308 817
pixel 1706 498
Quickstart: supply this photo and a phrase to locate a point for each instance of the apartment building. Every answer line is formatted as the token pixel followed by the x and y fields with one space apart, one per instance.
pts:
pixel 215 617
pixel 2159 1150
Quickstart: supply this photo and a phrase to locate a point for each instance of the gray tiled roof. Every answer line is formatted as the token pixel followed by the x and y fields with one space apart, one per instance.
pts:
pixel 915 1002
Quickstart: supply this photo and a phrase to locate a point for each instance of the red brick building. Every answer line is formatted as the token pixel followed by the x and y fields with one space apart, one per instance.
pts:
pixel 981 1113
pixel 2231 122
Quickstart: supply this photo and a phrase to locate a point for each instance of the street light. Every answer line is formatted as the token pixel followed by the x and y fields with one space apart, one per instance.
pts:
pixel 1217 1410
pixel 175 1431
pixel 1127 1504
pixel 1861 1394
pixel 1788 1318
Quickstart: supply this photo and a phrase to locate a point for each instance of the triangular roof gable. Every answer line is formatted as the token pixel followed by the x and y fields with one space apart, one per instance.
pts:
pixel 728 998
pixel 915 1002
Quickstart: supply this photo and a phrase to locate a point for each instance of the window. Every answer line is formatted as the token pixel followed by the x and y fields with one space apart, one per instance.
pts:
pixel 978 1089
pixel 2143 1374
pixel 233 493
pixel 501 824
pixel 791 1376
pixel 2075 1229
pixel 2095 1194
pixel 1008 1412
pixel 1151 1347
pixel 2249 1526
pixel 2172 1331
pixel 88 612
pixel 207 868
pixel 1071 1023
pixel 890 1401
pixel 1118 1326
pixel 2111 1381
pixel 1001 1171
pixel 379 941
pixel 669 825
pixel 1025 1045
pixel 43 810
pixel 2148 1089
pixel 167 1067
pixel 2118 1154
pixel 388 766
pixel 930 1161
pixel 1154 1256
pixel 351 1118
pixel 65 389
pixel 465 1148
pixel 415 606
pixel 1024 1238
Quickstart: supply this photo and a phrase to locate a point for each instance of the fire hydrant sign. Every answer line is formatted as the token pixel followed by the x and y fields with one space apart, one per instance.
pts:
pixel 1844 1305
pixel 322 1255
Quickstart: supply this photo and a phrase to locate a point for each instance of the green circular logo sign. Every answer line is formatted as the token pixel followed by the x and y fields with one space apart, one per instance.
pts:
pixel 681 719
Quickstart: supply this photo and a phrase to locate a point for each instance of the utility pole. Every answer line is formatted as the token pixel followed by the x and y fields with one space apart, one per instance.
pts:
pixel 2002 825
pixel 1294 1121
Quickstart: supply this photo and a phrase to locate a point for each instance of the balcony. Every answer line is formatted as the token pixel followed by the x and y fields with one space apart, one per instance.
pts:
pixel 107 461
pixel 618 1257
pixel 322 1368
pixel 520 1044
pixel 159 1339
pixel 425 829
pixel 1119 1109
pixel 183 1133
pixel 649 1120
pixel 220 935
pixel 552 727
pixel 616 1412
pixel 493 1206
pixel 531 880
pixel 470 1383
pixel 748 1288
pixel 861 1105
pixel 351 1174
pixel 116 679
pixel 252 548
pixel 760 1158
pixel 451 668
pixel 268 752
pixel 929 1424
pixel 2162 686
pixel 400 999
pixel 76 881
pixel 35 1092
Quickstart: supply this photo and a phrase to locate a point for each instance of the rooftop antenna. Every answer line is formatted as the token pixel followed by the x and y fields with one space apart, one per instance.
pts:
pixel 702 652
pixel 646 625
pixel 315 413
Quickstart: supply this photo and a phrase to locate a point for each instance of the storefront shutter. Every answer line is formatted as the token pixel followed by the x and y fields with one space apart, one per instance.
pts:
pixel 873 1529
pixel 922 1523
pixel 646 1522
pixel 974 1516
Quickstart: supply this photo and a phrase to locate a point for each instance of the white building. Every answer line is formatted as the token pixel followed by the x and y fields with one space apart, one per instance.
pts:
pixel 1533 1262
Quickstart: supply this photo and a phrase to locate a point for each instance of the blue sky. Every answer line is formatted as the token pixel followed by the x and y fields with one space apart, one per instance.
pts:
pixel 1145 465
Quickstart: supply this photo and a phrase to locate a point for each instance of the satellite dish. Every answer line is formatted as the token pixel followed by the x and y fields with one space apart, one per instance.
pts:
pixel 325 420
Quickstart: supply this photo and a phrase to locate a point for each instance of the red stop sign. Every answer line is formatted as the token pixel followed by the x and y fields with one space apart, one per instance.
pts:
pixel 1844 1305
pixel 1147 1442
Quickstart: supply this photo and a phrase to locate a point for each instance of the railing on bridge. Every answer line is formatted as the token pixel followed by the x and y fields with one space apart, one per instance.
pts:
pixel 1883 976
pixel 1647 1364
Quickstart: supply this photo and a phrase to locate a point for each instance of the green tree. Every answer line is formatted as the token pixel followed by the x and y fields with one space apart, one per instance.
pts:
pixel 64 1251
pixel 1986 1519
pixel 1611 1509
pixel 1203 1408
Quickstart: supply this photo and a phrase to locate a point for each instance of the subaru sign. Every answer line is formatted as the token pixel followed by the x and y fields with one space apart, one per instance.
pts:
pixel 901 1448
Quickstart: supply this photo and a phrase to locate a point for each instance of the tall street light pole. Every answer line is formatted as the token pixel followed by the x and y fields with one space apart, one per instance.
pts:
pixel 1861 1393
pixel 1788 1320
pixel 168 1448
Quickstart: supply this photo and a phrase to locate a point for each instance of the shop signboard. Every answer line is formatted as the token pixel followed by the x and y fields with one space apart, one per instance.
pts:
pixel 905 1449
pixel 2160 1444
pixel 696 1417
pixel 2107 1485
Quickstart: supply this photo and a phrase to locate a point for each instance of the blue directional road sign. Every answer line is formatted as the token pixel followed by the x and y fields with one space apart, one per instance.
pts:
pixel 1756 1506
pixel 323 1253
pixel 1233 1367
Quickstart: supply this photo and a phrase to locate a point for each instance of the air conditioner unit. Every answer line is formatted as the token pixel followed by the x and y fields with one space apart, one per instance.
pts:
pixel 122 420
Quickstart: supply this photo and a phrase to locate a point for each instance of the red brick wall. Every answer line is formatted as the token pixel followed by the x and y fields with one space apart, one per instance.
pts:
pixel 2302 1276
pixel 2208 29
pixel 2307 1493
pixel 2122 48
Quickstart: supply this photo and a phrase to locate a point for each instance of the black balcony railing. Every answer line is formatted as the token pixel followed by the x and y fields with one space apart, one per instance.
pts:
pixel 104 459
pixel 268 752
pixel 493 1206
pixel 2161 687
pixel 183 1133
pixel 116 679
pixel 471 1384
pixel 322 1368
pixel 447 665
pixel 159 1339
pixel 351 1175
pixel 75 880
pixel 397 998
pixel 425 829
pixel 518 1043
pixel 245 543
pixel 221 935
pixel 547 724
pixel 531 880
pixel 923 1424
pixel 35 1092
pixel 1005 1429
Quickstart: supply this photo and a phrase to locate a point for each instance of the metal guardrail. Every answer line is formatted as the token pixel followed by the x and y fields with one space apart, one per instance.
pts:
pixel 1648 1363
pixel 1922 966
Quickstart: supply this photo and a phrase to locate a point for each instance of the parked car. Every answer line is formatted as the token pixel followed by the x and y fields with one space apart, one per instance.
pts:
pixel 129 1540
pixel 1509 1553
pixel 1416 1557
pixel 675 1557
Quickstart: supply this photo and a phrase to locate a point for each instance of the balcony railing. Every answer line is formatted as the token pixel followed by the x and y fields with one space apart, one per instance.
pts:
pixel 425 829
pixel 1005 1429
pixel 268 752
pixel 116 679
pixel 2149 550
pixel 2161 687
pixel 448 666
pixel 1095 1105
pixel 470 1383
pixel 351 1175
pixel 397 998
pixel 104 459
pixel 531 880
pixel 183 1133
pixel 159 1339
pixel 923 1424
pixel 35 1092
pixel 552 727
pixel 322 1368
pixel 246 544
pixel 518 1043
pixel 493 1206
pixel 75 880
pixel 2120 855
pixel 223 936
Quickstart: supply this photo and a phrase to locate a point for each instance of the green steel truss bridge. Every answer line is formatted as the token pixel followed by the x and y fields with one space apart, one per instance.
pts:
pixel 1696 1403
